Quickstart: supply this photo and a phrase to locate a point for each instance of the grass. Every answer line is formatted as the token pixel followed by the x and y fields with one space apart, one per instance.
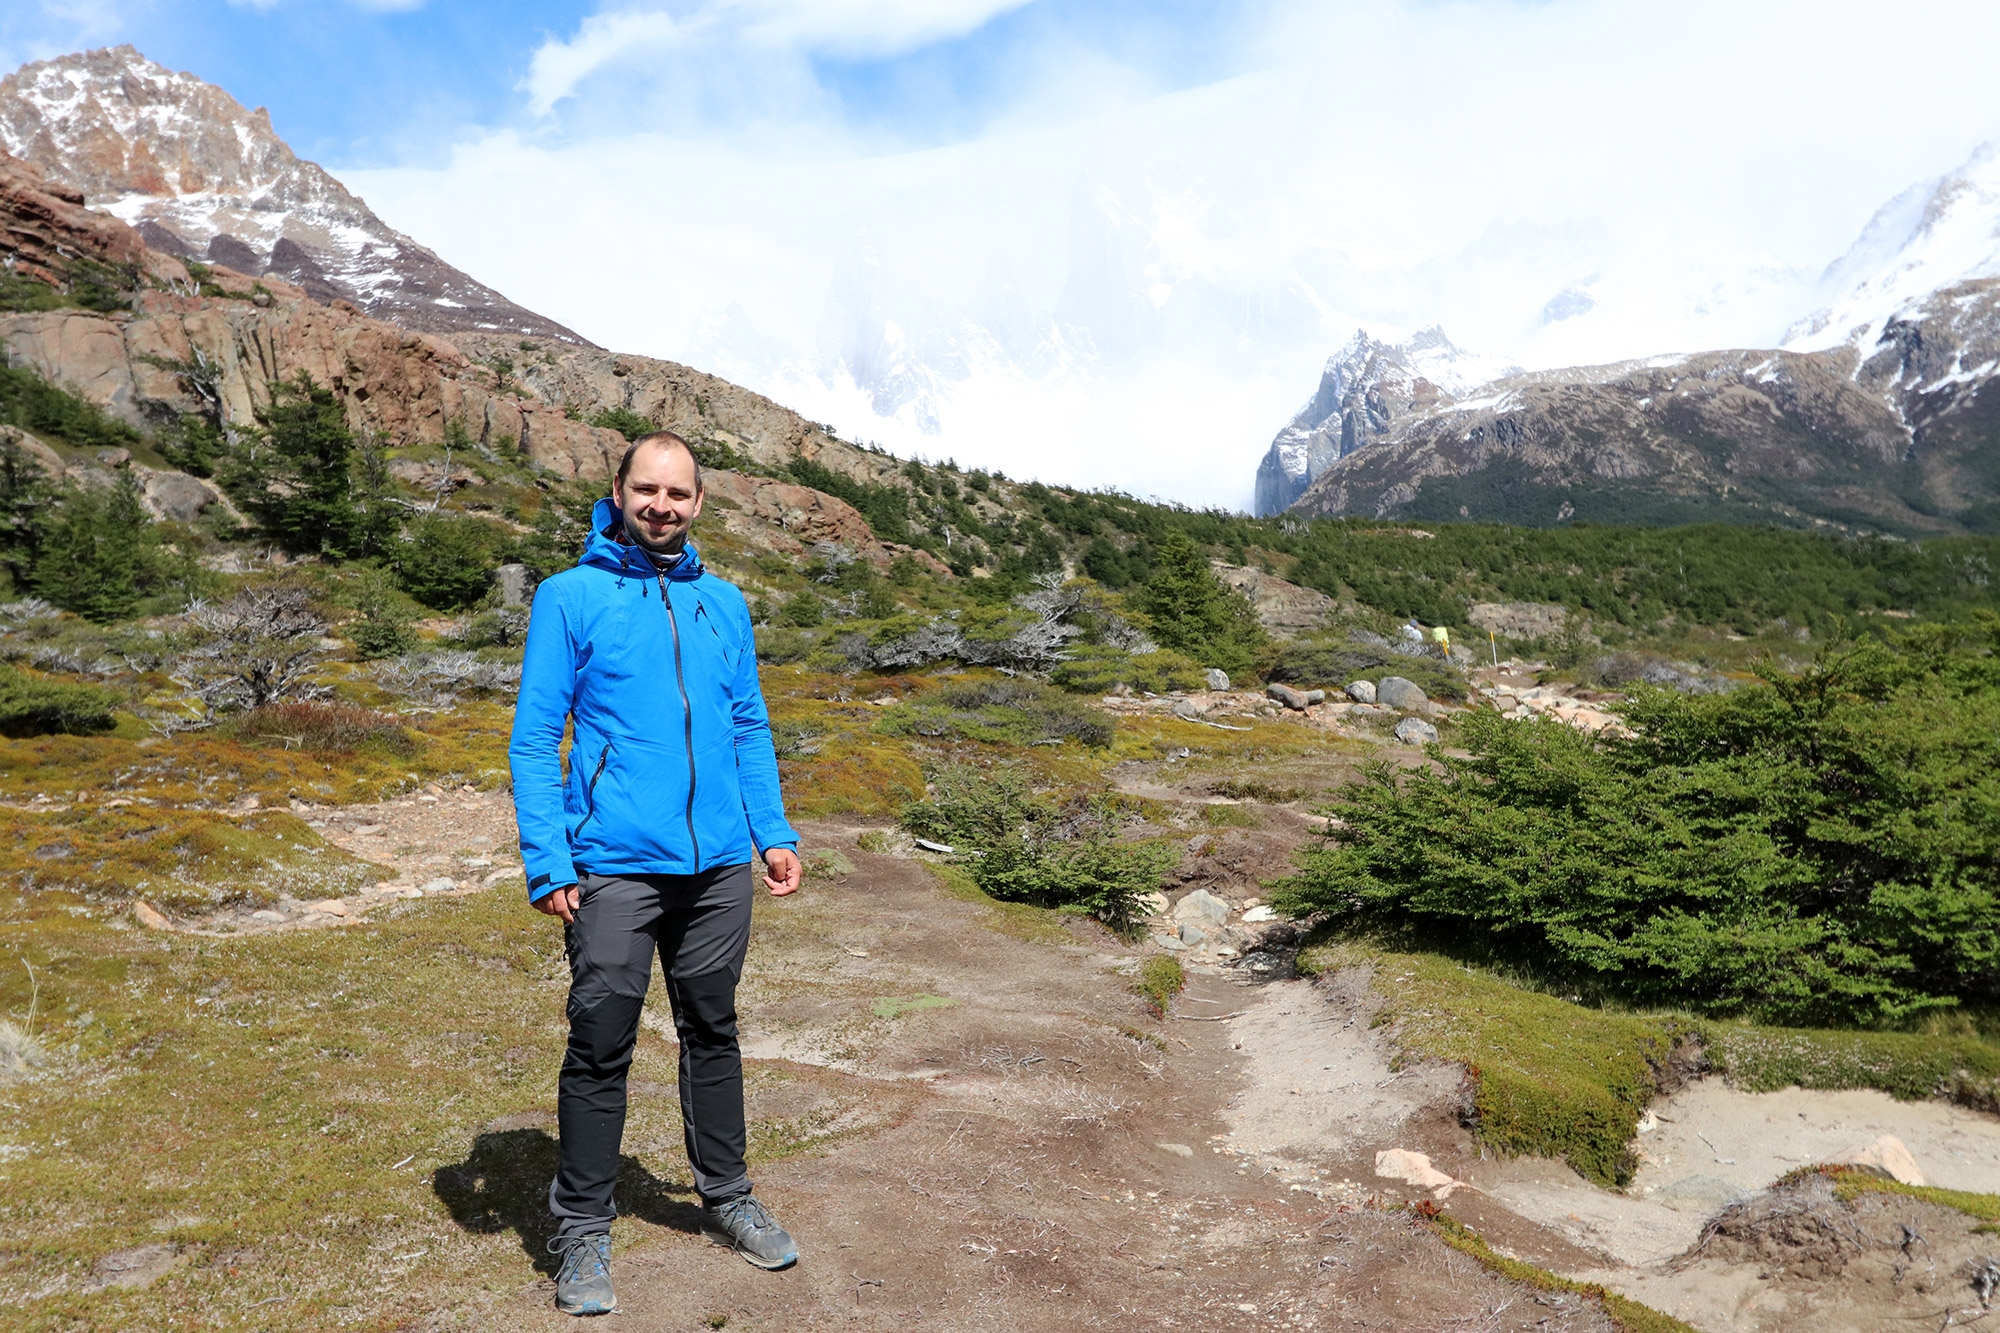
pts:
pixel 1022 921
pixel 1852 1182
pixel 343 1120
pixel 895 1006
pixel 1627 1315
pixel 1557 1078
pixel 1159 979
pixel 1551 1078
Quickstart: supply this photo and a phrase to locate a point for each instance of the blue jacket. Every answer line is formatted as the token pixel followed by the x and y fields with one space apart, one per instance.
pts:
pixel 671 770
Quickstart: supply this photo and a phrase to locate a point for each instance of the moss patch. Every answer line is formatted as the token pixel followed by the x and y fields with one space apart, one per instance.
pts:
pixel 1852 1182
pixel 1159 979
pixel 1551 1078
pixel 1906 1065
pixel 1628 1315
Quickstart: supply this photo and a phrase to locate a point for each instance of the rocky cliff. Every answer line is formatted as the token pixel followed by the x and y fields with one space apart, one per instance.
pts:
pixel 1366 388
pixel 1898 435
pixel 199 176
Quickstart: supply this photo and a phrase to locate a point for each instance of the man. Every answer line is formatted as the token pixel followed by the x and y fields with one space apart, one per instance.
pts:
pixel 647 844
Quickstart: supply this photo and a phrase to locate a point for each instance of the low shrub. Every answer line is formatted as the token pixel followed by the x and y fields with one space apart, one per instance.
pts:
pixel 447 561
pixel 1330 663
pixel 999 711
pixel 1020 845
pixel 1819 848
pixel 1159 979
pixel 1095 669
pixel 338 728
pixel 35 706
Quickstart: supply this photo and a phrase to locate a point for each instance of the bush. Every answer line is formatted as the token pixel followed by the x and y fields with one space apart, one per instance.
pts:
pixel 295 474
pixel 324 727
pixel 98 553
pixel 1331 662
pixel 383 629
pixel 446 561
pixel 1094 669
pixel 54 413
pixel 1820 848
pixel 625 421
pixel 999 711
pixel 34 706
pixel 1022 846
pixel 1194 612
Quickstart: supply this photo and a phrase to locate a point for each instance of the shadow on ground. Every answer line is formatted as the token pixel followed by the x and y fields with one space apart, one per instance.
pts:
pixel 503 1185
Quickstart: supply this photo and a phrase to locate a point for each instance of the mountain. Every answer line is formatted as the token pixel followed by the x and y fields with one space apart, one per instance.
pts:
pixel 1366 387
pixel 1879 410
pixel 200 177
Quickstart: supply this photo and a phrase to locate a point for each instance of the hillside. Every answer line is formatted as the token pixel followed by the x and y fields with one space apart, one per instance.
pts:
pixel 1877 413
pixel 203 178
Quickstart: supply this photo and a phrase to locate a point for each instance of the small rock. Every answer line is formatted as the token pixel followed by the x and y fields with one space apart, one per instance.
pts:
pixel 1287 696
pixel 475 862
pixel 1202 908
pixel 495 876
pixel 114 457
pixel 1191 934
pixel 266 914
pixel 1171 943
pixel 1187 710
pixel 440 885
pixel 1315 697
pixel 1414 1168
pixel 1397 693
pixel 1887 1156
pixel 329 906
pixel 1216 679
pixel 367 829
pixel 514 584
pixel 1262 966
pixel 1257 914
pixel 1151 904
pixel 1177 1149
pixel 1416 731
pixel 1361 691
pixel 146 916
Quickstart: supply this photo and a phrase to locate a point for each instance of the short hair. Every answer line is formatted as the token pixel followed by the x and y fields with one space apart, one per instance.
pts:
pixel 661 437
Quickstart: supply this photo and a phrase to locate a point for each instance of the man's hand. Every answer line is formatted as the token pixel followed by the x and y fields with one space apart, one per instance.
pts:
pixel 783 863
pixel 560 902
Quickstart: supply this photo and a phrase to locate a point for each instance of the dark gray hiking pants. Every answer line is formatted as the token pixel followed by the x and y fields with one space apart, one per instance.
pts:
pixel 701 926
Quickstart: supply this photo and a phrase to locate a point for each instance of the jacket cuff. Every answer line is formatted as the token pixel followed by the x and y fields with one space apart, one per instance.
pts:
pixel 544 879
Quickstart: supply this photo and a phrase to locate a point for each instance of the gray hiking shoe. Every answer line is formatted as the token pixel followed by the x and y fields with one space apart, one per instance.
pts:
pixel 583 1283
pixel 742 1224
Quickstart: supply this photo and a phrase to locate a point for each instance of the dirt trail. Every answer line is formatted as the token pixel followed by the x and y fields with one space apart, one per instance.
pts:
pixel 1002 1137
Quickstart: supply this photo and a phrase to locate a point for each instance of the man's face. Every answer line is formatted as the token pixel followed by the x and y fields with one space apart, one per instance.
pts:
pixel 659 496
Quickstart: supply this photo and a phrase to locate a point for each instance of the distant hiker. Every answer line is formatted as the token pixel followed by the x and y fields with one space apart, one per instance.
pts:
pixel 647 845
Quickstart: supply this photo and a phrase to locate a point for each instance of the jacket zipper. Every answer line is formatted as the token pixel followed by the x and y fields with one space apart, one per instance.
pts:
pixel 687 712
pixel 590 792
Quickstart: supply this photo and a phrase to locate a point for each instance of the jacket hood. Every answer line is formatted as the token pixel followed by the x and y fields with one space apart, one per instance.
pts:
pixel 605 551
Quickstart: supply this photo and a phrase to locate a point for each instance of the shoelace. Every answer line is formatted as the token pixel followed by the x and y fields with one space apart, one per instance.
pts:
pixel 573 1249
pixel 746 1211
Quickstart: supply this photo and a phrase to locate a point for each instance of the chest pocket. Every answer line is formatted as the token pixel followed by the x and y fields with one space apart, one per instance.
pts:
pixel 718 638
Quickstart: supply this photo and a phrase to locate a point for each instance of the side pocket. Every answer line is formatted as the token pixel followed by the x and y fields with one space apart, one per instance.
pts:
pixel 590 792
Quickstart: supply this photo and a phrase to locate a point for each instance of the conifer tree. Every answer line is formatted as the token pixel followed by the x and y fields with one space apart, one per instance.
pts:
pixel 1194 612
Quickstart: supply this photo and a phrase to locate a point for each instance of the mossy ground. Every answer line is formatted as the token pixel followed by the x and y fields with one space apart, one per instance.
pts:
pixel 1559 1078
pixel 1627 1315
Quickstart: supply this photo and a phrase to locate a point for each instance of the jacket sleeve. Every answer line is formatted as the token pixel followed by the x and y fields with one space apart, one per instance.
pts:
pixel 548 689
pixel 756 763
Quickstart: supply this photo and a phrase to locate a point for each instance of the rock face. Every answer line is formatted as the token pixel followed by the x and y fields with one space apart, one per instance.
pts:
pixel 1286 610
pixel 1365 389
pixel 1519 620
pixel 47 229
pixel 201 177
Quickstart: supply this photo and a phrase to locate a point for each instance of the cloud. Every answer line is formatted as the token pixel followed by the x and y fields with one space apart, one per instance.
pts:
pixel 630 37
pixel 1105 272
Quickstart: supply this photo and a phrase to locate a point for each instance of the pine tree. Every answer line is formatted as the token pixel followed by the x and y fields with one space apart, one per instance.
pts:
pixel 296 473
pixel 1193 612
pixel 98 551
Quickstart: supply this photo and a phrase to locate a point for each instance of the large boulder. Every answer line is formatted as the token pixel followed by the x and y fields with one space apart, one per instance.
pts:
pixel 1216 678
pixel 1403 695
pixel 1202 908
pixel 1416 731
pixel 1286 695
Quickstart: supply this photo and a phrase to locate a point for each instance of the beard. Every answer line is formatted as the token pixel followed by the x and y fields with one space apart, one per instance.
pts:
pixel 669 547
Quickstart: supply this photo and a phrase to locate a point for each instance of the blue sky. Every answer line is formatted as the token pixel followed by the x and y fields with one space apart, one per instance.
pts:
pixel 373 83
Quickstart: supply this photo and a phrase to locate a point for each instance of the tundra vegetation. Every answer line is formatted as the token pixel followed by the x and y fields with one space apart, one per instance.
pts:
pixel 1790 879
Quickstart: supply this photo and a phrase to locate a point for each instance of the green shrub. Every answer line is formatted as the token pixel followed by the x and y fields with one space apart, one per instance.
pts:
pixel 1332 662
pixel 36 706
pixel 1159 979
pixel 98 554
pixel 778 646
pixel 998 711
pixel 1022 846
pixel 54 413
pixel 1095 669
pixel 1820 848
pixel 625 421
pixel 447 561
pixel 1194 612
pixel 383 629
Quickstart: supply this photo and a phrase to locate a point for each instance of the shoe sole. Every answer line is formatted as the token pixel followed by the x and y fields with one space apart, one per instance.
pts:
pixel 587 1308
pixel 768 1265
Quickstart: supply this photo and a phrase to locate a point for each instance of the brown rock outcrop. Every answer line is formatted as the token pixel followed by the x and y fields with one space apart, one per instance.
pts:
pixel 44 228
pixel 1286 610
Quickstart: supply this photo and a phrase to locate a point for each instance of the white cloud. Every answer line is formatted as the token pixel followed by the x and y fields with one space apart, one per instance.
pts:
pixel 1119 284
pixel 632 35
